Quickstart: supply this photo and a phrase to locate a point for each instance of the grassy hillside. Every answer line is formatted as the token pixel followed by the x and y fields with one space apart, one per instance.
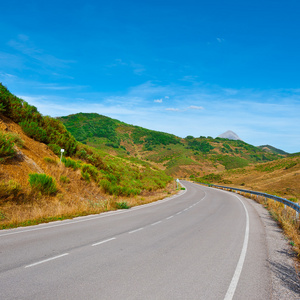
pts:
pixel 177 156
pixel 41 128
pixel 35 186
pixel 272 149
pixel 280 177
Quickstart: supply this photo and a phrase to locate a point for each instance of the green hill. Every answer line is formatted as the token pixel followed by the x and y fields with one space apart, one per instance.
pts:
pixel 272 149
pixel 179 157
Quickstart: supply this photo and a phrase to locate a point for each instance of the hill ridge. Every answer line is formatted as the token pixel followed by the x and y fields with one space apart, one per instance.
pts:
pixel 177 156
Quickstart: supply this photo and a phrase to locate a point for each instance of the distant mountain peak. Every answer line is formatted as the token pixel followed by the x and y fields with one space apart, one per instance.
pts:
pixel 229 135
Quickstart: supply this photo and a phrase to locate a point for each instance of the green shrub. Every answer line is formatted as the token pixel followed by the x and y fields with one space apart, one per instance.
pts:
pixel 42 183
pixel 6 145
pixel 71 163
pixel 33 130
pixel 64 179
pixel 81 153
pixel 91 170
pixel 9 189
pixel 55 149
pixel 117 190
pixel 2 107
pixel 86 176
pixel 293 199
pixel 16 139
pixel 50 160
pixel 210 178
pixel 292 164
pixel 122 205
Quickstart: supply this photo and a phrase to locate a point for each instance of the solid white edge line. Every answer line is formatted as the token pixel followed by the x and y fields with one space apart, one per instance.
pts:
pixel 46 260
pixel 102 242
pixel 236 276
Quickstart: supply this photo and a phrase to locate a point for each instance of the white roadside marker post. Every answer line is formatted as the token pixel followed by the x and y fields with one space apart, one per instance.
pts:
pixel 61 153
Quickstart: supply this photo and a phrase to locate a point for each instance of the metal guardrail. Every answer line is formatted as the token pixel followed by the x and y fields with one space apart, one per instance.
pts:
pixel 286 202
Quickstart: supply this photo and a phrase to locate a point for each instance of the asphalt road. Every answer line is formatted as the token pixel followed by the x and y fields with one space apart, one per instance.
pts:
pixel 201 244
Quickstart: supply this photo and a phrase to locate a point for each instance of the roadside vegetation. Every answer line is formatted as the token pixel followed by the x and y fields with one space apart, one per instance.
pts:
pixel 41 128
pixel 35 186
pixel 285 218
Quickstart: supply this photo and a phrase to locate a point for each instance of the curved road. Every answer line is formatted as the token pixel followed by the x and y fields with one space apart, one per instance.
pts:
pixel 200 244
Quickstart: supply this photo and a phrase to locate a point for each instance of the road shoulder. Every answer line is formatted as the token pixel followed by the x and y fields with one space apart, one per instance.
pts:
pixel 282 260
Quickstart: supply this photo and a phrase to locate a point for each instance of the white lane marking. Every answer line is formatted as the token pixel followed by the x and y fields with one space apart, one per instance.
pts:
pixel 46 260
pixel 169 217
pixel 133 231
pixel 235 279
pixel 156 223
pixel 99 216
pixel 105 241
pixel 178 213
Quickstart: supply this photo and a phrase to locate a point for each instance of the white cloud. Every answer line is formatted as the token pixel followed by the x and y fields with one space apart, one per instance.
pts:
pixel 172 109
pixel 158 100
pixel 196 107
pixel 167 97
pixel 220 40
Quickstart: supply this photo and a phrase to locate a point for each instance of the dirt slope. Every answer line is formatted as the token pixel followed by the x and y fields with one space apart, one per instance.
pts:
pixel 20 205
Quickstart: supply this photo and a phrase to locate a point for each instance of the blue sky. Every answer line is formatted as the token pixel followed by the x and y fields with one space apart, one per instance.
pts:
pixel 185 67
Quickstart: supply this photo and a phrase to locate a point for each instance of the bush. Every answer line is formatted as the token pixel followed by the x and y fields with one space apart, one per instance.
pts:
pixel 50 160
pixel 16 139
pixel 91 170
pixel 81 153
pixel 9 189
pixel 64 179
pixel 86 176
pixel 55 149
pixel 122 205
pixel 71 163
pixel 6 145
pixel 42 183
pixel 33 130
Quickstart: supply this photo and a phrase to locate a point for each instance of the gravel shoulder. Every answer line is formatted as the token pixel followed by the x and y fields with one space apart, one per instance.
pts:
pixel 281 259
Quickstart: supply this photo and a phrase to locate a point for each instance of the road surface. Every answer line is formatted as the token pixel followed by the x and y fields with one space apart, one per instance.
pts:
pixel 200 244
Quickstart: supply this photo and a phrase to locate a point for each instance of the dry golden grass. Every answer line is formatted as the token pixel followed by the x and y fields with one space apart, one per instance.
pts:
pixel 75 196
pixel 285 217
pixel 35 208
pixel 275 178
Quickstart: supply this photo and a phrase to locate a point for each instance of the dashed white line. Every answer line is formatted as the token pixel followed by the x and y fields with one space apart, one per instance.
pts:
pixel 179 213
pixel 133 231
pixel 156 223
pixel 105 241
pixel 168 218
pixel 46 260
